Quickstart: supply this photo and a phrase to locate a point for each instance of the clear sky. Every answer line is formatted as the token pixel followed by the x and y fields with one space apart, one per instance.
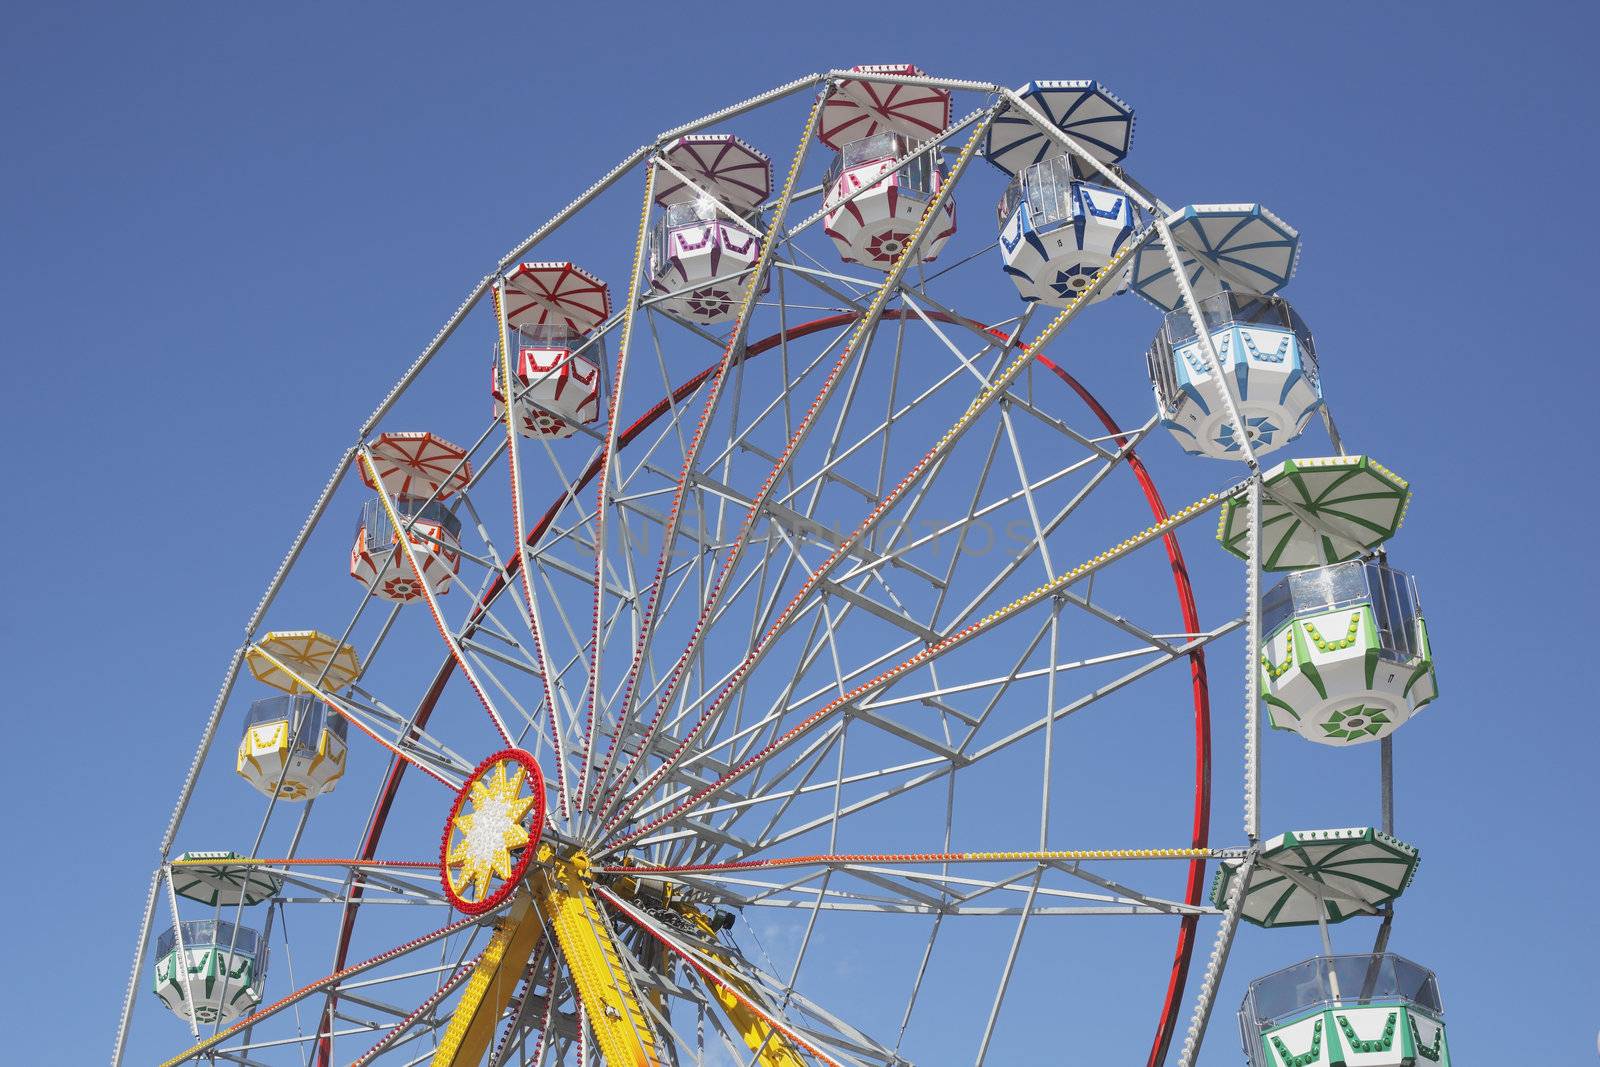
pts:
pixel 227 228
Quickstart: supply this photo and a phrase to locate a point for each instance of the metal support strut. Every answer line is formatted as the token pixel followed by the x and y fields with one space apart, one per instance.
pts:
pixel 606 992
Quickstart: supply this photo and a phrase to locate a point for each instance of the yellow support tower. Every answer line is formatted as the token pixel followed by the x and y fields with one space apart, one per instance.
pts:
pixel 609 999
pixel 775 1049
pixel 472 1024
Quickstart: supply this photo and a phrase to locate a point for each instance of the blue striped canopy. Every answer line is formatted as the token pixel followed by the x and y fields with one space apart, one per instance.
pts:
pixel 1221 246
pixel 1085 110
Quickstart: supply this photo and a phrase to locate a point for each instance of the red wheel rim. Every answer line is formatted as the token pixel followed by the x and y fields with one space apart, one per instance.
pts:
pixel 532 821
pixel 1183 955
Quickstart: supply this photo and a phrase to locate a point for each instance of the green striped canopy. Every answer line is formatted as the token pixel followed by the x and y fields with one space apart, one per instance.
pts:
pixel 1305 875
pixel 1342 506
pixel 222 882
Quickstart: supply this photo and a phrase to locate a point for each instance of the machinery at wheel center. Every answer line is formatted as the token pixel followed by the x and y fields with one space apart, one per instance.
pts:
pixel 557 895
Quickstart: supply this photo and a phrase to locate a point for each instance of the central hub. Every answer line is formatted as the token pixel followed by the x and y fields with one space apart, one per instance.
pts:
pixel 499 812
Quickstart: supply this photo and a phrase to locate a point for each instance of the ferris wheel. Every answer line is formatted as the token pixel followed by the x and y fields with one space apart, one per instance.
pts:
pixel 782 657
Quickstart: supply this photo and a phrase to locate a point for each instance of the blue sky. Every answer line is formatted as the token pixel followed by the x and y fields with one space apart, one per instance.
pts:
pixel 227 230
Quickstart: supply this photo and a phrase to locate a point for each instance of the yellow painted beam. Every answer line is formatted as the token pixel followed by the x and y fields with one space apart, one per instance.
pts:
pixel 609 999
pixel 756 1032
pixel 471 1028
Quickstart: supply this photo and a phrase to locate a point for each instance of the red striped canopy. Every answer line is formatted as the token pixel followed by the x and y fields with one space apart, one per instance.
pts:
pixel 855 109
pixel 719 164
pixel 542 294
pixel 417 464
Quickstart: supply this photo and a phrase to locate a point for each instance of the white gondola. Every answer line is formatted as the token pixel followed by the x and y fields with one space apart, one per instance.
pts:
pixel 209 970
pixel 557 390
pixel 1368 1010
pixel 1270 363
pixel 553 311
pixel 708 237
pixel 293 745
pixel 380 562
pixel 1060 219
pixel 878 187
pixel 876 192
pixel 1345 657
pixel 1056 231
pixel 701 260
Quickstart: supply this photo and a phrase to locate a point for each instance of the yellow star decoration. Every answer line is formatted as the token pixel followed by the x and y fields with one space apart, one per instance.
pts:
pixel 490 825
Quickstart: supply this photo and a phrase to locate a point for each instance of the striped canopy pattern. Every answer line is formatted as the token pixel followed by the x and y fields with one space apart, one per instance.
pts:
pixel 1304 876
pixel 1318 512
pixel 720 165
pixel 855 109
pixel 545 294
pixel 1221 246
pixel 1086 111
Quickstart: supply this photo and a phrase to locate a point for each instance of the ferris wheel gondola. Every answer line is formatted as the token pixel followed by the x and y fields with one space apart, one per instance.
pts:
pixel 1060 221
pixel 705 244
pixel 886 175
